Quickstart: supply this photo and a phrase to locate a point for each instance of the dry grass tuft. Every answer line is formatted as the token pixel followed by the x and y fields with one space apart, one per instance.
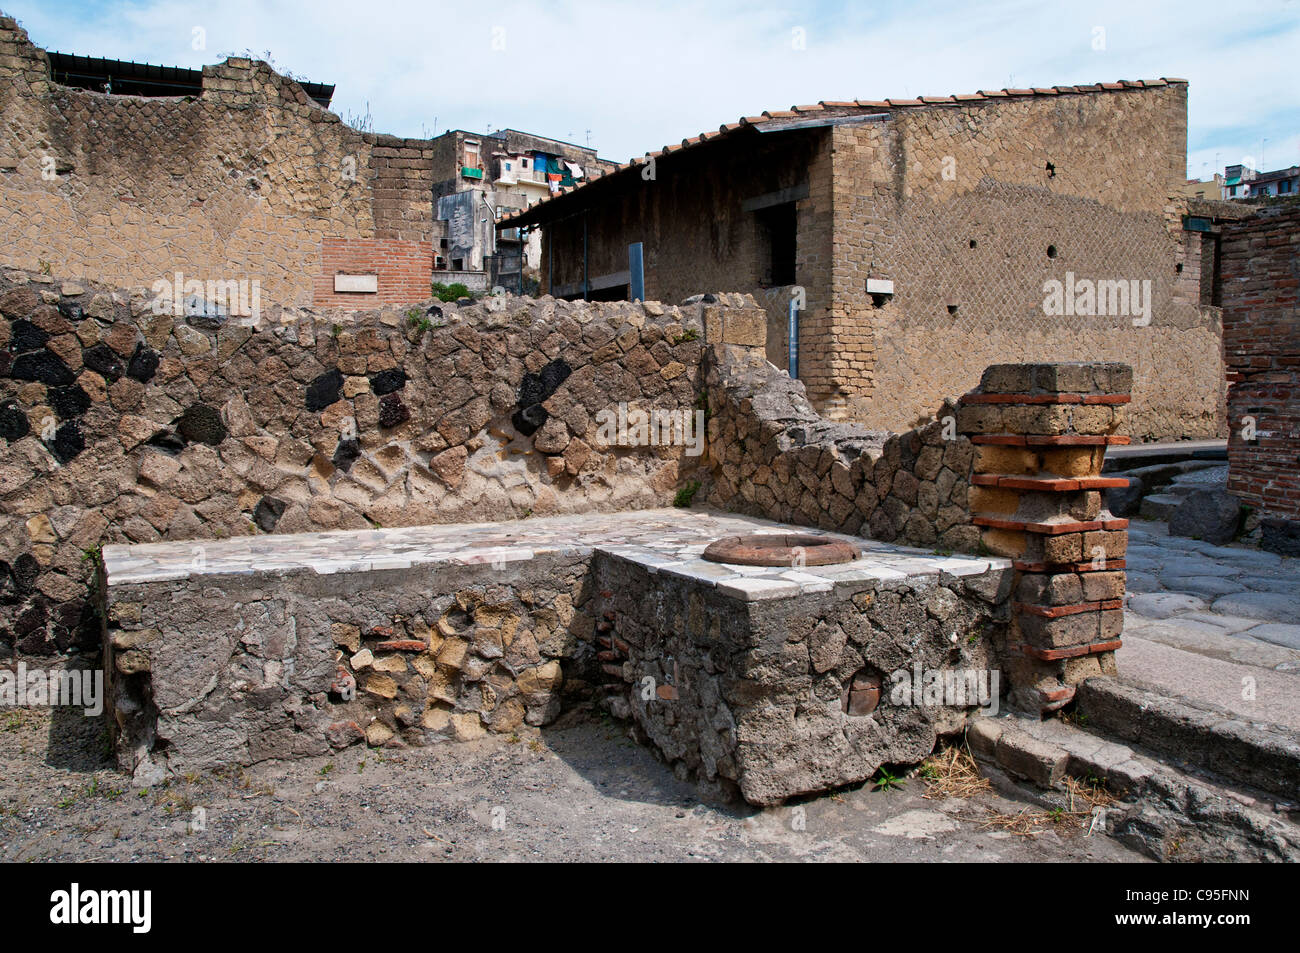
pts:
pixel 952 772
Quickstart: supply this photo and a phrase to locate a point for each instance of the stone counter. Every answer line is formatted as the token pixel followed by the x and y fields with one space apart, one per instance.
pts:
pixel 242 650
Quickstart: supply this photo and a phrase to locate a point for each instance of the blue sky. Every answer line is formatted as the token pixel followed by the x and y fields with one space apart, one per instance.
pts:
pixel 628 77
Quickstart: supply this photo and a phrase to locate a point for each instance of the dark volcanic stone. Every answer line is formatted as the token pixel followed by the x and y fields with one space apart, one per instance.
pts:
pixel 26 336
pixel 536 388
pixel 530 419
pixel 324 390
pixel 13 423
pixel 69 402
pixel 392 411
pixel 201 424
pixel 208 316
pixel 25 571
pixel 67 442
pixel 1281 536
pixel 346 453
pixel 103 360
pixel 268 512
pixel 1211 515
pixel 1125 500
pixel 167 442
pixel 32 619
pixel 385 382
pixel 143 365
pixel 72 311
pixel 43 366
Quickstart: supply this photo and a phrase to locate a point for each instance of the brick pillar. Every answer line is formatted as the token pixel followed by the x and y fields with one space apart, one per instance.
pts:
pixel 1040 433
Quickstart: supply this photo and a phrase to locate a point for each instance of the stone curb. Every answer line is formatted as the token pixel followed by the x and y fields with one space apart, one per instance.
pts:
pixel 1214 741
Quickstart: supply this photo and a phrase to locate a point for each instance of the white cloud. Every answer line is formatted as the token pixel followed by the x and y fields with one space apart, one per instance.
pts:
pixel 638 75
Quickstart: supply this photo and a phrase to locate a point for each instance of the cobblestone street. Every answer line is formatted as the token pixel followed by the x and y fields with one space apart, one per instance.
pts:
pixel 1200 618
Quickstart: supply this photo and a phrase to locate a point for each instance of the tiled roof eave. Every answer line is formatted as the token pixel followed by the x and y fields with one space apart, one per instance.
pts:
pixel 783 116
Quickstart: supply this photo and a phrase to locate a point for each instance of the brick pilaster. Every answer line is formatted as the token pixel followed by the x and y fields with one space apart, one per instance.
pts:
pixel 1040 433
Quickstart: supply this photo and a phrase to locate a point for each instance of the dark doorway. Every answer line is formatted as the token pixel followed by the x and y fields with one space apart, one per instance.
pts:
pixel 778 228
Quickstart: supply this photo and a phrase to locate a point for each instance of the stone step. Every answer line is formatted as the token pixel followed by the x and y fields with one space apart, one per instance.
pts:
pixel 1217 741
pixel 1149 455
pixel 1165 812
pixel 1159 506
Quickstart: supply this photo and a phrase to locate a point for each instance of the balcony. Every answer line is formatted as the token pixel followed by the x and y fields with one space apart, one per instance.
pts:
pixel 521 177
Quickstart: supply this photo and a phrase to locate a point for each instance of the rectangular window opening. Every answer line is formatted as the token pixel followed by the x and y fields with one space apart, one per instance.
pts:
pixel 778 228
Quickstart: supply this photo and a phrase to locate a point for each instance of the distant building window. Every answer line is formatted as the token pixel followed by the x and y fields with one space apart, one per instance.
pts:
pixel 1284 186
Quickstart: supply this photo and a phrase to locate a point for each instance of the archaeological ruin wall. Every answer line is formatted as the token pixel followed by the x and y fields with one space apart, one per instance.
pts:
pixel 1261 343
pixel 125 423
pixel 971 209
pixel 777 457
pixel 250 182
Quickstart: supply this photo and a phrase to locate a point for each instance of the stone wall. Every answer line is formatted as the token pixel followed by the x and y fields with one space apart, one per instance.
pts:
pixel 1261 344
pixel 773 455
pixel 124 425
pixel 969 208
pixel 231 669
pixel 783 697
pixel 244 182
pixel 969 205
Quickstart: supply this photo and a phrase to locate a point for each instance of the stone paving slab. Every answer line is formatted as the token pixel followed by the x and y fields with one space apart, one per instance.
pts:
pixel 1271 606
pixel 662 540
pixel 1215 642
pixel 1211 682
pixel 1277 633
pixel 1201 618
pixel 1234 588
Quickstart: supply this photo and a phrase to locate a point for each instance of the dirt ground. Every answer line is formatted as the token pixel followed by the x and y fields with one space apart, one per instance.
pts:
pixel 583 792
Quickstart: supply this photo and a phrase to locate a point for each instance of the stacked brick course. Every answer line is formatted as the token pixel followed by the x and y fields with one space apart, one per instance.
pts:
pixel 1040 433
pixel 1261 344
pixel 402 269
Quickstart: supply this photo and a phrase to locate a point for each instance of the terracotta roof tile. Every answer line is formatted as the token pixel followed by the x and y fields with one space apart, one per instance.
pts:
pixel 816 107
pixel 838 103
pixel 928 100
pixel 873 103
pixel 904 102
